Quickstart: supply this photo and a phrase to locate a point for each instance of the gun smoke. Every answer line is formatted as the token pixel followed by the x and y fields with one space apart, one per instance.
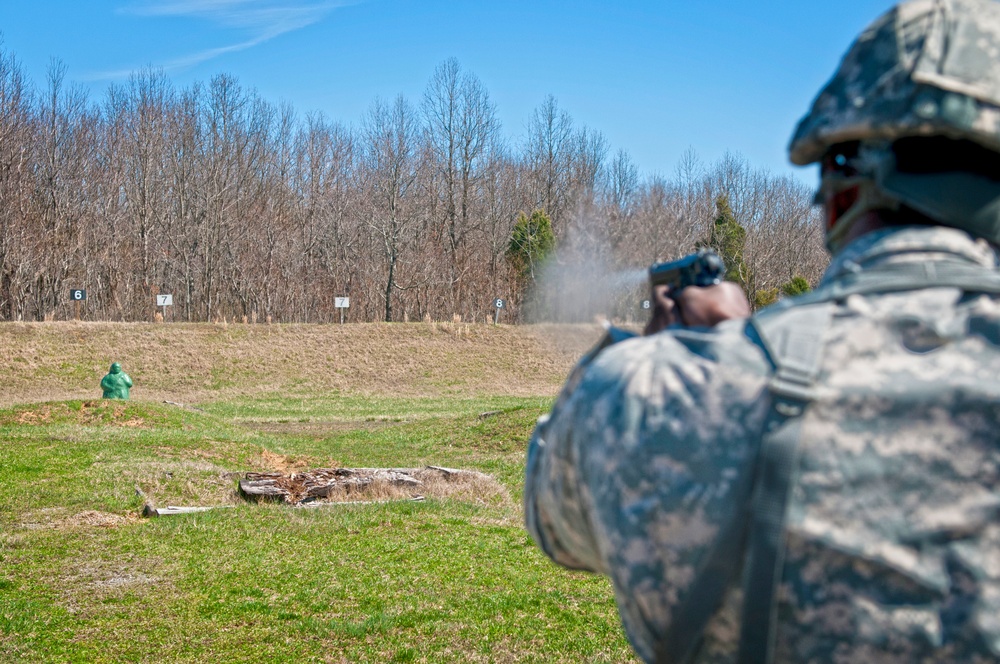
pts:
pixel 579 284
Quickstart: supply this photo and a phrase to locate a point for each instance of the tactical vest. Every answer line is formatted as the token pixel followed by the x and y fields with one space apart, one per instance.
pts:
pixel 792 335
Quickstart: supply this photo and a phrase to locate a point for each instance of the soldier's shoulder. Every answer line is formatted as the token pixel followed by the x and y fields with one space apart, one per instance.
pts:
pixel 732 343
pixel 679 369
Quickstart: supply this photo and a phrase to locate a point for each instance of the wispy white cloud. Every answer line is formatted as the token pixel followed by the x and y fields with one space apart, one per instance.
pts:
pixel 272 17
pixel 257 21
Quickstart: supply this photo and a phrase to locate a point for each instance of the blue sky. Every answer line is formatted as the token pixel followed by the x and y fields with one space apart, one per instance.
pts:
pixel 656 77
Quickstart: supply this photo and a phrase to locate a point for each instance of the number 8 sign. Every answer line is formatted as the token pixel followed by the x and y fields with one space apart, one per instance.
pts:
pixel 499 303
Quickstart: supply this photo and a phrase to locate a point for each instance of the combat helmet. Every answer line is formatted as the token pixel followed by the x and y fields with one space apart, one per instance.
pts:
pixel 927 69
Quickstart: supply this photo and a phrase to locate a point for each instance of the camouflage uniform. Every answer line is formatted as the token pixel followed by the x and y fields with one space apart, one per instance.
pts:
pixel 893 542
pixel 874 400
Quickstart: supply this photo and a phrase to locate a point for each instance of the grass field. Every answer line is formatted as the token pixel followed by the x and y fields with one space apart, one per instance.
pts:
pixel 85 578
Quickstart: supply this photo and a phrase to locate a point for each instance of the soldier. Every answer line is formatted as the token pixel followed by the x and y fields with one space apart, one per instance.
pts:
pixel 819 482
pixel 117 383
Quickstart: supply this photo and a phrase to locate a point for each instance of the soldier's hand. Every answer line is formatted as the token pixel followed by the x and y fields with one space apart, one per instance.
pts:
pixel 697 307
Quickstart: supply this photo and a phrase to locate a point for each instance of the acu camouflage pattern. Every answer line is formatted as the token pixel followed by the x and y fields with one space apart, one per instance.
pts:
pixel 925 68
pixel 893 536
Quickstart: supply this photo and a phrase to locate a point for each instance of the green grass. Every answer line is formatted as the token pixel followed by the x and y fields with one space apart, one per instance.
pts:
pixel 353 407
pixel 82 579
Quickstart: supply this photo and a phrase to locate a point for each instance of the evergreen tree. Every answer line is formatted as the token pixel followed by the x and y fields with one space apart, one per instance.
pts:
pixel 531 241
pixel 765 297
pixel 796 286
pixel 728 239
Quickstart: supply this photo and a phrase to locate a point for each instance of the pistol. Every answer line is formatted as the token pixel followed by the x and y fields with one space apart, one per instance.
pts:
pixel 702 268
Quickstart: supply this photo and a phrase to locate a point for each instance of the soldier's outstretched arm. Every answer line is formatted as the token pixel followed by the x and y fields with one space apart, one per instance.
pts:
pixel 632 474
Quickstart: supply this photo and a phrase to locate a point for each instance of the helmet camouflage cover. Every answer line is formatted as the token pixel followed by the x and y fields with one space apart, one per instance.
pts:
pixel 925 68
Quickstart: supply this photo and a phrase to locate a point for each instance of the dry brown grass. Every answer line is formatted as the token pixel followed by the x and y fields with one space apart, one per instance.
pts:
pixel 60 519
pixel 93 518
pixel 335 485
pixel 179 481
pixel 465 485
pixel 195 362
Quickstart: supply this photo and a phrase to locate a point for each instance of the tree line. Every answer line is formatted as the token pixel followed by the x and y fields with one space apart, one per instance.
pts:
pixel 422 210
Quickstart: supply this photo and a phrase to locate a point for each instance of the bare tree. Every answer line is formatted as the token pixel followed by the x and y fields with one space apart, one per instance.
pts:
pixel 390 138
pixel 325 156
pixel 56 224
pixel 184 181
pixel 462 127
pixel 244 210
pixel 135 154
pixel 549 158
pixel 16 166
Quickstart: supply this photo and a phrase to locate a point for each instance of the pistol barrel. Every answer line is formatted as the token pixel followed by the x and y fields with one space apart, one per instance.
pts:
pixel 703 268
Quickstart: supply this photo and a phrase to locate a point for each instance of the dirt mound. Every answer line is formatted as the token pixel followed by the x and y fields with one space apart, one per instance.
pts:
pixel 282 462
pixel 190 363
pixel 97 412
pixel 60 519
pixel 371 484
pixel 94 518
